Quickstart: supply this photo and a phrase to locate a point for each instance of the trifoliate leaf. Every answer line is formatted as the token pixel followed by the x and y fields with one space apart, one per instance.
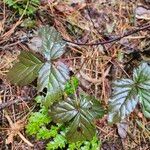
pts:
pixel 52 43
pixel 124 100
pixel 79 112
pixel 51 74
pixel 26 70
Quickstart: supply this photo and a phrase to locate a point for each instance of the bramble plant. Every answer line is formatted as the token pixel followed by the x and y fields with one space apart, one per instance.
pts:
pixel 51 74
pixel 40 125
pixel 128 92
pixel 76 112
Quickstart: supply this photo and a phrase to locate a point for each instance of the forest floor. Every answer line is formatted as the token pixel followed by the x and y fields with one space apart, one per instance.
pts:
pixel 102 29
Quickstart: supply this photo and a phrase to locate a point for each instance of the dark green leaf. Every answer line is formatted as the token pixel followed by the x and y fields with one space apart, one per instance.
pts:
pixel 141 76
pixel 26 70
pixel 79 112
pixel 127 93
pixel 81 129
pixel 96 109
pixel 53 45
pixel 145 101
pixel 52 96
pixel 124 100
pixel 53 77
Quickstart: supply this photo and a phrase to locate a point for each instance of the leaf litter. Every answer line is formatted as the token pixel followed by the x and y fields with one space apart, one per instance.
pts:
pixel 87 62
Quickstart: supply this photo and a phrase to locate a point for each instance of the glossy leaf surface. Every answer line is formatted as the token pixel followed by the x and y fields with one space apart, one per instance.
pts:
pixel 52 43
pixel 127 93
pixel 53 76
pixel 26 70
pixel 79 113
pixel 145 101
pixel 123 101
pixel 141 77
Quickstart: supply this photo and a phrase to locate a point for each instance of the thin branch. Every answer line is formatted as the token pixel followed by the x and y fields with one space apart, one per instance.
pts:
pixel 25 140
pixel 144 27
